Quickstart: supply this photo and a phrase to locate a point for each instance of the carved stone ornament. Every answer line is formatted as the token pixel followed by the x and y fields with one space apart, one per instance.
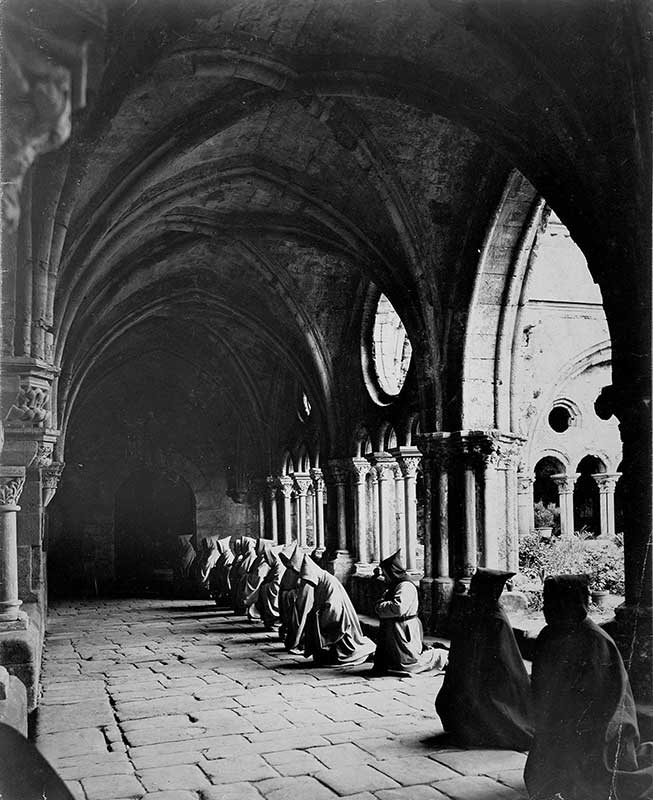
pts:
pixel 11 487
pixel 318 479
pixel 302 484
pixel 50 477
pixel 44 455
pixel 286 486
pixel 31 408
pixel 565 482
pixel 524 484
pixel 409 465
pixel 360 468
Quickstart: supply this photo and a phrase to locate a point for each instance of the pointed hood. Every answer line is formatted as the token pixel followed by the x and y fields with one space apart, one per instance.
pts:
pixel 394 569
pixel 487 584
pixel 310 572
pixel 222 545
pixel 291 557
pixel 566 599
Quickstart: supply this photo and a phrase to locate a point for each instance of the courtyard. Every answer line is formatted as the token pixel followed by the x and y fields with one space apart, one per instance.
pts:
pixel 179 700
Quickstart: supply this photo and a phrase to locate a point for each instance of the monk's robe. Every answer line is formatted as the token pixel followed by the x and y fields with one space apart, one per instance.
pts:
pixel 267 602
pixel 254 578
pixel 219 583
pixel 328 620
pixel 400 649
pixel 485 696
pixel 185 555
pixel 239 588
pixel 291 557
pixel 24 772
pixel 586 744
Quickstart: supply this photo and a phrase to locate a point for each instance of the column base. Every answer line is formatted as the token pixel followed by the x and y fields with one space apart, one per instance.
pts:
pixel 364 569
pixel 13 621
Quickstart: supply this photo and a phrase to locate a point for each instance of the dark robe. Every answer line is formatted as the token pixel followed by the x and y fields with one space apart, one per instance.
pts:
pixel 291 557
pixel 254 578
pixel 485 697
pixel 586 744
pixel 239 580
pixel 267 601
pixel 219 583
pixel 327 618
pixel 400 649
pixel 24 772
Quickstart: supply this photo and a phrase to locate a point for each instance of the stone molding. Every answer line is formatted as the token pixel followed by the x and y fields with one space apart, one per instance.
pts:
pixel 12 481
pixel 524 483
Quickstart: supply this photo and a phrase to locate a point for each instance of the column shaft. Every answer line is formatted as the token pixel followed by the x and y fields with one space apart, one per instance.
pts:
pixel 12 480
pixel 274 520
pixel 442 566
pixel 342 515
pixel 470 545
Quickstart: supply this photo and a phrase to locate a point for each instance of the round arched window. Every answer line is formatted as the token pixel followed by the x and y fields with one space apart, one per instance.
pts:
pixel 560 419
pixel 391 348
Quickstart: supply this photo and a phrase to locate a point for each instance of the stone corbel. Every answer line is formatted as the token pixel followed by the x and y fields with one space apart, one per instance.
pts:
pixel 50 477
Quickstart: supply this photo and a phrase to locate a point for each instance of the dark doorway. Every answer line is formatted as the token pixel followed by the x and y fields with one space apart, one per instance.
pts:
pixel 587 515
pixel 153 509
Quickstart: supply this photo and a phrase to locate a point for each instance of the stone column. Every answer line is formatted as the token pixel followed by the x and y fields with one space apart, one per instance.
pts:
pixel 470 544
pixel 565 483
pixel 342 564
pixel 526 513
pixel 12 480
pixel 360 470
pixel 261 516
pixel 274 519
pixel 375 514
pixel 400 513
pixel 318 486
pixel 409 460
pixel 383 466
pixel 606 482
pixel 302 482
pixel 285 487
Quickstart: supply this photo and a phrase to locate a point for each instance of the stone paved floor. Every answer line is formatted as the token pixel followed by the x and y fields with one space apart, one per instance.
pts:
pixel 176 700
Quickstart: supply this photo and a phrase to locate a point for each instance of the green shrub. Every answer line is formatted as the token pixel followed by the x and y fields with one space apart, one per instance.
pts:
pixel 546 515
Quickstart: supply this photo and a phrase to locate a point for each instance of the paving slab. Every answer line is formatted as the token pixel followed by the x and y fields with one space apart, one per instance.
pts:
pixel 231 770
pixel 173 777
pixel 353 778
pixel 411 793
pixel 112 787
pixel 285 788
pixel 414 769
pixel 481 762
pixel 477 788
pixel 232 791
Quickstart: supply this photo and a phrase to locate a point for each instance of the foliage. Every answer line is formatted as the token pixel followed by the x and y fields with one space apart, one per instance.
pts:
pixel 576 553
pixel 605 566
pixel 546 515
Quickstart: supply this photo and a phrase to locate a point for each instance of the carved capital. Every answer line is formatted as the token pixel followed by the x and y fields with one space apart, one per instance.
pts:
pixel 606 481
pixel 50 477
pixel 302 484
pixel 409 466
pixel 360 468
pixel 285 483
pixel 44 455
pixel 565 482
pixel 31 406
pixel 318 479
pixel 12 480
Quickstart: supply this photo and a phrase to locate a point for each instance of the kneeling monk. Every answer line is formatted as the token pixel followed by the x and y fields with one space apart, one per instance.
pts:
pixel 485 697
pixel 400 649
pixel 586 743
pixel 327 619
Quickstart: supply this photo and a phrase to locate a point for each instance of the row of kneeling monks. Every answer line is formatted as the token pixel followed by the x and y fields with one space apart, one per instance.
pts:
pixel 575 714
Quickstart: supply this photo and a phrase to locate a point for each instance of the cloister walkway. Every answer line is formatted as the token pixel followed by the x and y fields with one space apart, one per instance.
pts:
pixel 177 700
